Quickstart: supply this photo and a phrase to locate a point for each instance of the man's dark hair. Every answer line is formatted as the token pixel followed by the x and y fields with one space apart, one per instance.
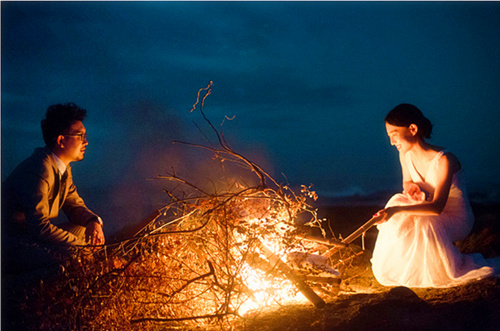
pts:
pixel 58 119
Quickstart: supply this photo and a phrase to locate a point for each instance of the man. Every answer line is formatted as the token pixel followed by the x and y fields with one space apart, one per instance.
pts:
pixel 42 185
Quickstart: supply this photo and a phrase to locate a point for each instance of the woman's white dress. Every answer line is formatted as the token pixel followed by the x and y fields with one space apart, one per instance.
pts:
pixel 418 251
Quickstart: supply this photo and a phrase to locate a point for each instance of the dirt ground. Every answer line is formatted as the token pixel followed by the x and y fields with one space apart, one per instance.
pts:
pixel 361 303
pixel 364 304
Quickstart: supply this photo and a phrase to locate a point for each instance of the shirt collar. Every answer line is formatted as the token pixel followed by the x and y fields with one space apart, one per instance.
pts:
pixel 60 164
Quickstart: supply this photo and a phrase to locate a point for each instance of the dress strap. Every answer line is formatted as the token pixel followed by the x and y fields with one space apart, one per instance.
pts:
pixel 414 174
pixel 439 154
pixel 436 158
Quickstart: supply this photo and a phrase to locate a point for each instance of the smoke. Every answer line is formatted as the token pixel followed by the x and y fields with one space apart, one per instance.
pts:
pixel 149 152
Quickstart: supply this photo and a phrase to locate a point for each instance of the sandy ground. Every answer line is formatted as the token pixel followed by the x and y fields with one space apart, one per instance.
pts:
pixel 361 303
pixel 364 304
pixel 471 307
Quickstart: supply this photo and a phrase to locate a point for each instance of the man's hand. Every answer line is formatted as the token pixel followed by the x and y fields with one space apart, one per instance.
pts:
pixel 94 234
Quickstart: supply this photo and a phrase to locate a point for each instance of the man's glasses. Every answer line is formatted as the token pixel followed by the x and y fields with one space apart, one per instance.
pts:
pixel 83 136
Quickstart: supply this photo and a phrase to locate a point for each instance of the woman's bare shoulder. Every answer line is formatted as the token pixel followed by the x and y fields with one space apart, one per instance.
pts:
pixel 451 160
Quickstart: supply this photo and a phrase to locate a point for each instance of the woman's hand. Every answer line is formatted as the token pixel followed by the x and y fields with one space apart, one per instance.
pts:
pixel 414 192
pixel 386 213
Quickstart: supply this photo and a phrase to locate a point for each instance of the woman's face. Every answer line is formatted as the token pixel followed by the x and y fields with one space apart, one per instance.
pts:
pixel 403 138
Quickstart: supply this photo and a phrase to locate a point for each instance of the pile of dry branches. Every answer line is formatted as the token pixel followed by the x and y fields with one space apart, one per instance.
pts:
pixel 196 261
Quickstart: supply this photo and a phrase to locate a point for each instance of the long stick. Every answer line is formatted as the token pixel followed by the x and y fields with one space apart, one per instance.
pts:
pixel 353 236
pixel 325 241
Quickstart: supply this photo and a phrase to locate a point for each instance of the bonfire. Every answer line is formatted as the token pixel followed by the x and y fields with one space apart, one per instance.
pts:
pixel 205 259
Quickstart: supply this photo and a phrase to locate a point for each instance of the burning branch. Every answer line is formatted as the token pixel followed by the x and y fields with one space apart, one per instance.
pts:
pixel 226 151
pixel 243 233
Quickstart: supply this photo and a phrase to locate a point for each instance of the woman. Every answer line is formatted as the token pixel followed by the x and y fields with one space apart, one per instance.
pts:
pixel 417 228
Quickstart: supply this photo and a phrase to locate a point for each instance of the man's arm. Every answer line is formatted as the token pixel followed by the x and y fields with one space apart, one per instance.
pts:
pixel 34 197
pixel 76 210
pixel 74 207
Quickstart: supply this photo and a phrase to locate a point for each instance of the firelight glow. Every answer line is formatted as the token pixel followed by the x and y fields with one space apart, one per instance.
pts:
pixel 267 290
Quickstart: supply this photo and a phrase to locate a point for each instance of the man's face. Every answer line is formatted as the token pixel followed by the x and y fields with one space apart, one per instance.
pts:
pixel 74 143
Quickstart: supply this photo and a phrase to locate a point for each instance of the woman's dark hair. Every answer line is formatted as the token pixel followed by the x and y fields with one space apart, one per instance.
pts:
pixel 406 114
pixel 58 119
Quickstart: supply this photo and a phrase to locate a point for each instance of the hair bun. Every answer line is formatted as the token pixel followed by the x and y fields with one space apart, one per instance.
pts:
pixel 406 114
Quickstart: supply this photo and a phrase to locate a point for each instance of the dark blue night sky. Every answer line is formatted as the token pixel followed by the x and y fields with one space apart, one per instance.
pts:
pixel 308 85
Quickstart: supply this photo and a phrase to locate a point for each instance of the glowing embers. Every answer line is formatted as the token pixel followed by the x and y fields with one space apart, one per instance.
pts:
pixel 267 275
pixel 266 290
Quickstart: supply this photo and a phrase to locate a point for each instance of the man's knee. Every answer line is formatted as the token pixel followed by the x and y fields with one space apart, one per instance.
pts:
pixel 75 229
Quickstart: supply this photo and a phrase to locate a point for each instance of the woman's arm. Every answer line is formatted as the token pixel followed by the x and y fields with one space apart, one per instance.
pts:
pixel 447 166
